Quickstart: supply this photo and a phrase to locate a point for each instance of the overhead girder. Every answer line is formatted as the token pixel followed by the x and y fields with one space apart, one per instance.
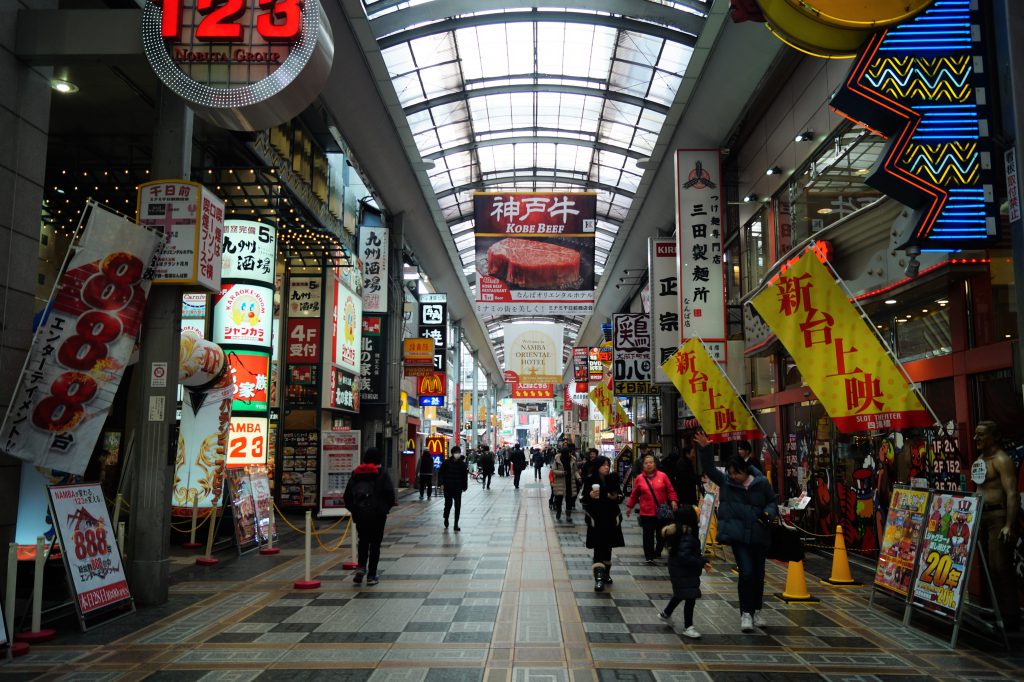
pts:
pixel 549 176
pixel 537 139
pixel 466 95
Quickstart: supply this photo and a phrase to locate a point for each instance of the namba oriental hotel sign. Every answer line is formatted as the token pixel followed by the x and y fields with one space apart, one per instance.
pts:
pixel 241 64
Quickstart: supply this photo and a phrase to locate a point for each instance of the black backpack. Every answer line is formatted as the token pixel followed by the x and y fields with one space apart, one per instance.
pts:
pixel 364 496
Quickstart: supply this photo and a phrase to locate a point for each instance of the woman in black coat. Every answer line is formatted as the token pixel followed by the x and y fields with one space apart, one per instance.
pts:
pixel 600 498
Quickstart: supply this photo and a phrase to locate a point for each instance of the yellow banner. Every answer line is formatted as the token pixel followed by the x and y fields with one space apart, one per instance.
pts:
pixel 610 408
pixel 838 354
pixel 709 395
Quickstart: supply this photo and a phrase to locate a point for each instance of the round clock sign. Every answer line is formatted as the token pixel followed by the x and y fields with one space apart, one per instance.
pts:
pixel 242 64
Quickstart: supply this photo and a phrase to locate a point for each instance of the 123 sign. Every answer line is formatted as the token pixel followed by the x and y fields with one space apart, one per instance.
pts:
pixel 278 20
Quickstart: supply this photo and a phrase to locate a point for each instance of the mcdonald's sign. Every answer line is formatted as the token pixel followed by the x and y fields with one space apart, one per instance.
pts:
pixel 432 384
pixel 437 445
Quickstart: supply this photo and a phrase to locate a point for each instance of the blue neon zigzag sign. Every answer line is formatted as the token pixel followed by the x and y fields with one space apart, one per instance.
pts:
pixel 921 85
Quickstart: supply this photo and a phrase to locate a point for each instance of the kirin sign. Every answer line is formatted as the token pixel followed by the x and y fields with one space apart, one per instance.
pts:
pixel 242 64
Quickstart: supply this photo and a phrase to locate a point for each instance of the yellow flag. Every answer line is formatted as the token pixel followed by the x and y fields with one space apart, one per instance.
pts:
pixel 838 354
pixel 709 395
pixel 610 408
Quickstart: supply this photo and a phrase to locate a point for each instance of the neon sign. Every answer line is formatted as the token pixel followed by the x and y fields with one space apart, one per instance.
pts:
pixel 922 85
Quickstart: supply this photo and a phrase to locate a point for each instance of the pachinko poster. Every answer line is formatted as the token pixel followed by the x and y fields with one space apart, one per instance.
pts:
pixel 949 538
pixel 90 549
pixel 901 539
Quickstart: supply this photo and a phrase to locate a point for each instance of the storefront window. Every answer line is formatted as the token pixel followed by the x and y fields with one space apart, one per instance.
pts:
pixel 923 334
pixel 762 375
pixel 997 398
pixel 791 376
pixel 831 186
pixel 1004 302
pixel 733 284
pixel 755 251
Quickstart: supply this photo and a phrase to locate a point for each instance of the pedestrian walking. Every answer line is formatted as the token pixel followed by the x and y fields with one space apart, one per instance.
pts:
pixel 486 463
pixel 518 464
pixel 746 505
pixel 589 466
pixel 369 496
pixel 454 479
pixel 600 498
pixel 538 463
pixel 685 562
pixel 425 470
pixel 651 489
pixel 566 483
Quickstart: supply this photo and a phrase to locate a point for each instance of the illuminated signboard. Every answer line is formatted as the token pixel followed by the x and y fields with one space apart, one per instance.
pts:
pixel 243 64
pixel 431 400
pixel 432 384
pixel 251 370
pixel 922 85
pixel 241 315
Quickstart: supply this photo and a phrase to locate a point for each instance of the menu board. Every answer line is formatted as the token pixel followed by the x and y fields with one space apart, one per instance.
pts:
pixel 340 457
pixel 707 507
pixel 242 506
pixel 262 501
pixel 300 452
pixel 901 539
pixel 946 549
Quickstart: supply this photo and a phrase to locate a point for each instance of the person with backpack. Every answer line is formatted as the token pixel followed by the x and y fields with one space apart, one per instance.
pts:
pixel 426 474
pixel 685 563
pixel 369 496
pixel 486 464
pixel 518 464
pixel 454 479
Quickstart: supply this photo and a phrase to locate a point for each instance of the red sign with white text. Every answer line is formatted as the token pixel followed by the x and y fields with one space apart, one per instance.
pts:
pixel 303 343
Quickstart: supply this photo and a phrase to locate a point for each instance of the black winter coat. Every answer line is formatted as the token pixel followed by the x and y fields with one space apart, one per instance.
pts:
pixel 604 519
pixel 384 489
pixel 486 463
pixel 742 512
pixel 426 467
pixel 454 475
pixel 685 563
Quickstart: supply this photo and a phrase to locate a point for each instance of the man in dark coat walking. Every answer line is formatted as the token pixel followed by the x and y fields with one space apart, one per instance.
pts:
pixel 454 478
pixel 518 464
pixel 486 464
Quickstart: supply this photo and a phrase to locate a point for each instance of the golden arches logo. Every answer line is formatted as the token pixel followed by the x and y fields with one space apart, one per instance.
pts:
pixel 431 385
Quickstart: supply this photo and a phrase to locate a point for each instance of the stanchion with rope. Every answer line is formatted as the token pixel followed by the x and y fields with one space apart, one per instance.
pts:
pixel 38 633
pixel 308 583
pixel 192 544
pixel 841 575
pixel 208 559
pixel 16 648
pixel 270 550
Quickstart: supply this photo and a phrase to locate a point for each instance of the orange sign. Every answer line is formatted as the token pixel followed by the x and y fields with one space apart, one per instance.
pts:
pixel 419 352
pixel 433 384
pixel 533 391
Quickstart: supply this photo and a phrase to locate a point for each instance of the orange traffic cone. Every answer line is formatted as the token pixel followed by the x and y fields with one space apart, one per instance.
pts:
pixel 796 585
pixel 713 531
pixel 841 576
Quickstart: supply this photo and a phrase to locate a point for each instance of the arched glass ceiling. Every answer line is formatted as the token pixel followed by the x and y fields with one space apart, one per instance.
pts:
pixel 557 97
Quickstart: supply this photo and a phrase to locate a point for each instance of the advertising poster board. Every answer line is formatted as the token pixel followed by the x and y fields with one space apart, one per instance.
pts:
pixel 251 370
pixel 3 626
pixel 243 507
pixel 191 219
pixel 260 485
pixel 91 555
pixel 631 365
pixel 303 344
pixel 300 453
pixel 81 347
pixel 901 539
pixel 340 457
pixel 950 535
pixel 533 353
pixel 242 315
pixel 535 252
pixel 202 448
pixel 348 328
pixel 707 508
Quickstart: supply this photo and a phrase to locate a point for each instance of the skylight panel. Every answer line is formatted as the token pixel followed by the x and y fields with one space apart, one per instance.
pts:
pixel 630 78
pixel 433 49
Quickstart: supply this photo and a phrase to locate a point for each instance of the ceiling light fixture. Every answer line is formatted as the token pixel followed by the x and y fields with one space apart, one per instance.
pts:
pixel 750 198
pixel 774 170
pixel 890 301
pixel 805 136
pixel 64 87
pixel 824 211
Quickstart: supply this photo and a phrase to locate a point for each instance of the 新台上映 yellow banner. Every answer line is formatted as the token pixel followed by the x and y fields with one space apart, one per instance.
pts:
pixel 609 407
pixel 838 354
pixel 709 395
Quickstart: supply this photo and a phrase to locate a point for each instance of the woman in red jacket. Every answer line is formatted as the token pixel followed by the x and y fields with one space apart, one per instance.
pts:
pixel 651 488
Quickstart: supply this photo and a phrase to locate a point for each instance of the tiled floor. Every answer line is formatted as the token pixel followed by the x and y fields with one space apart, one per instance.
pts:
pixel 509 599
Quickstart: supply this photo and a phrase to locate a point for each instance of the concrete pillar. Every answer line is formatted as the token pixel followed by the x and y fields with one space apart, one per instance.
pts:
pixel 24 127
pixel 152 432
pixel 473 438
pixel 457 373
pixel 669 419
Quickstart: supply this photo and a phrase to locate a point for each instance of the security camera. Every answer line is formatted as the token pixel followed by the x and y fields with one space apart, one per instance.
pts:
pixel 913 265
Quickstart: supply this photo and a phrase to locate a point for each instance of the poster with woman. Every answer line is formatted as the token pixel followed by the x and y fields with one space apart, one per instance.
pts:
pixel 901 539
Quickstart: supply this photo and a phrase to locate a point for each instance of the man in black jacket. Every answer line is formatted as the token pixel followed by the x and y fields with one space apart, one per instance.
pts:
pixel 486 464
pixel 454 478
pixel 426 474
pixel 369 496
pixel 518 464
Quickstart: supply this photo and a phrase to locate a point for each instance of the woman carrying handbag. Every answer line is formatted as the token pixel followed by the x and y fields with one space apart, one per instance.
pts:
pixel 658 503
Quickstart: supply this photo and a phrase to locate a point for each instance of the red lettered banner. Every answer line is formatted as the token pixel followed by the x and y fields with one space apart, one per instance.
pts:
pixel 81 347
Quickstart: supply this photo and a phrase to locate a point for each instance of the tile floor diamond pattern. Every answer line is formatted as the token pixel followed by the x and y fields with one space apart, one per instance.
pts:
pixel 508 599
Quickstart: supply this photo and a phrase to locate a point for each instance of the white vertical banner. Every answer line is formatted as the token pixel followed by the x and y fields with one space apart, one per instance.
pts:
pixel 373 251
pixel 699 215
pixel 664 281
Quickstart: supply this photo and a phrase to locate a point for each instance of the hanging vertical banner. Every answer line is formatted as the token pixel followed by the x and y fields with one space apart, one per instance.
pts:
pixel 665 338
pixel 594 366
pixel 901 539
pixel 580 362
pixel 348 327
pixel 91 555
pixel 533 353
pixel 202 450
pixel 81 347
pixel 709 395
pixel 699 212
pixel 535 252
pixel 191 219
pixel 609 407
pixel 249 251
pixel 631 354
pixel 434 325
pixel 373 251
pixel 373 365
pixel 946 550
pixel 838 353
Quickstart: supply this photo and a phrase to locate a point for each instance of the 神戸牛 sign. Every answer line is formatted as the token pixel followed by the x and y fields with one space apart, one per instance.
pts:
pixel 249 251
pixel 81 346
pixel 340 456
pixel 533 353
pixel 191 219
pixel 901 539
pixel 699 215
pixel 535 252
pixel 838 353
pixel 631 364
pixel 665 336
pixel 242 315
pixel 950 535
pixel 90 547
pixel 373 251
pixel 709 395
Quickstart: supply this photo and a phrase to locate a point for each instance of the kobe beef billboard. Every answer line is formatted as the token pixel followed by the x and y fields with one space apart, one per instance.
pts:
pixel 535 252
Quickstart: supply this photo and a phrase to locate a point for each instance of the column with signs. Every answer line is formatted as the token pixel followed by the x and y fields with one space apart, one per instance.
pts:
pixel 699 245
pixel 242 325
